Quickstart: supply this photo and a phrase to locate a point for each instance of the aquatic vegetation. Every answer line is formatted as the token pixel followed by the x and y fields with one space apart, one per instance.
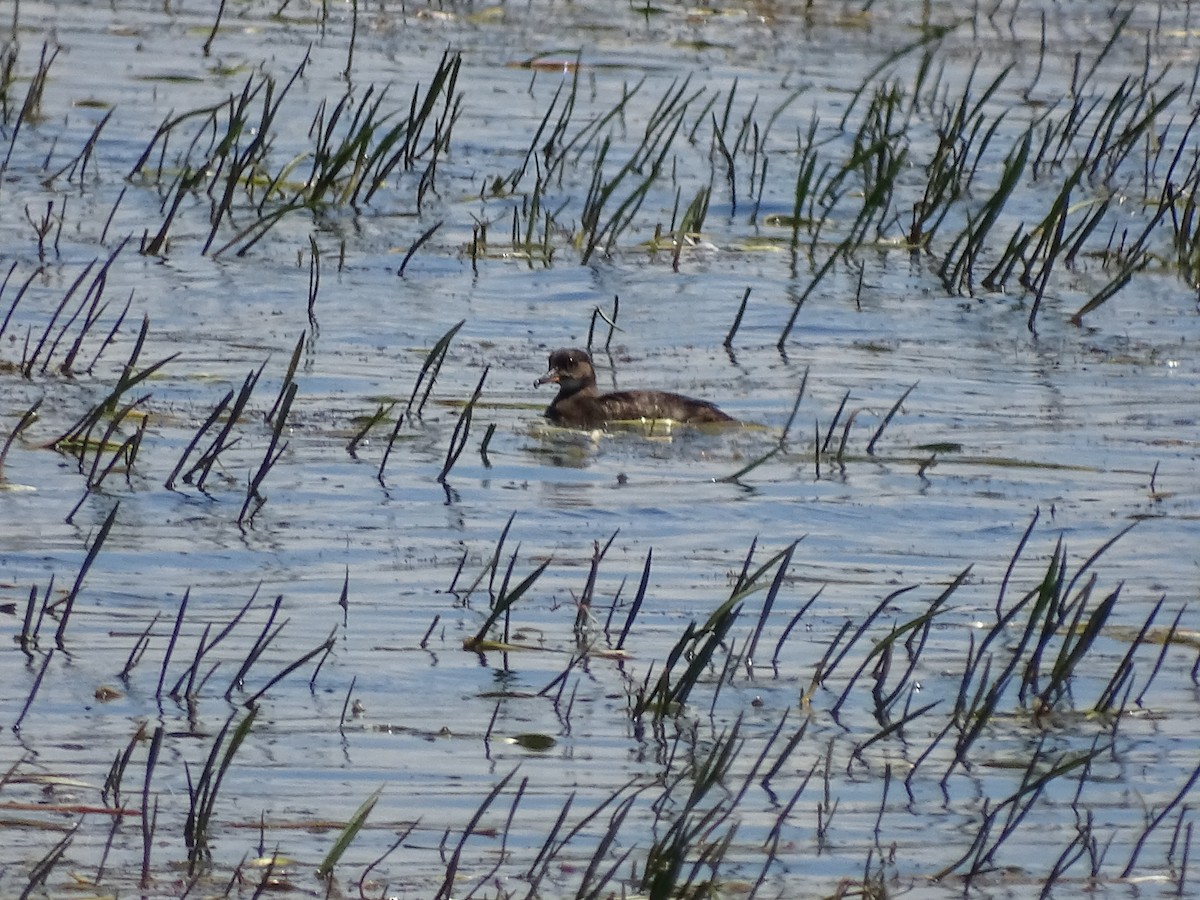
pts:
pixel 258 648
pixel 356 148
pixel 1019 688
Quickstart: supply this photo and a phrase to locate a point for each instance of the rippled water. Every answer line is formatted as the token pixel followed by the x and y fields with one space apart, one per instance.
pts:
pixel 1085 429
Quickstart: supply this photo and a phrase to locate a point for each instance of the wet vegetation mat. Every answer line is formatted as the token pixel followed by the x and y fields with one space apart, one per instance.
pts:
pixel 305 597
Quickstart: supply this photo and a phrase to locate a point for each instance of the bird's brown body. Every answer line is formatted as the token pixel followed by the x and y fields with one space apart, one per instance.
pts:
pixel 580 404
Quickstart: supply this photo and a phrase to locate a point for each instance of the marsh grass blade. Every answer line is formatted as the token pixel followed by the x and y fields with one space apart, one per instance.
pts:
pixel 347 835
pixel 610 319
pixel 33 690
pixel 416 245
pixel 768 603
pixel 203 793
pixel 446 889
pixel 502 605
pixel 254 496
pixel 321 650
pixel 31 108
pixel 887 419
pixel 638 599
pixel 75 437
pixel 462 429
pixel 29 360
pixel 199 471
pixel 68 602
pixel 737 320
pixel 382 411
pixel 430 367
pixel 42 869
pixel 27 419
pixel 149 819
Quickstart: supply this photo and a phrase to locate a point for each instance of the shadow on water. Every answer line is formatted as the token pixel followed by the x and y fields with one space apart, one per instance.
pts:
pixel 306 596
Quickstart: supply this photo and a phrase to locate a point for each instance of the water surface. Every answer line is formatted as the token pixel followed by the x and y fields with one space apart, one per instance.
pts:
pixel 1082 429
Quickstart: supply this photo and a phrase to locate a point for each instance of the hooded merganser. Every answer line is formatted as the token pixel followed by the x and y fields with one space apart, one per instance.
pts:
pixel 580 404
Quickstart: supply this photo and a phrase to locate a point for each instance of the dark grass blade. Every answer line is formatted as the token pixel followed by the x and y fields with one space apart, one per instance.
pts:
pixel 462 429
pixel 503 604
pixel 320 650
pixel 68 603
pixel 27 419
pixel 431 367
pixel 204 792
pixel 887 419
pixel 769 602
pixel 416 245
pixel 148 819
pixel 446 889
pixel 44 866
pixel 33 689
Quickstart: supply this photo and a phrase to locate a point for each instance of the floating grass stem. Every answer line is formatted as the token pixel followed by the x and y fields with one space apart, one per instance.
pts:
pixel 42 869
pixel 400 839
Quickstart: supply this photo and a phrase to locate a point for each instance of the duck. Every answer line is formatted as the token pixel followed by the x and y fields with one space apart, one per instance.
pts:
pixel 580 404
